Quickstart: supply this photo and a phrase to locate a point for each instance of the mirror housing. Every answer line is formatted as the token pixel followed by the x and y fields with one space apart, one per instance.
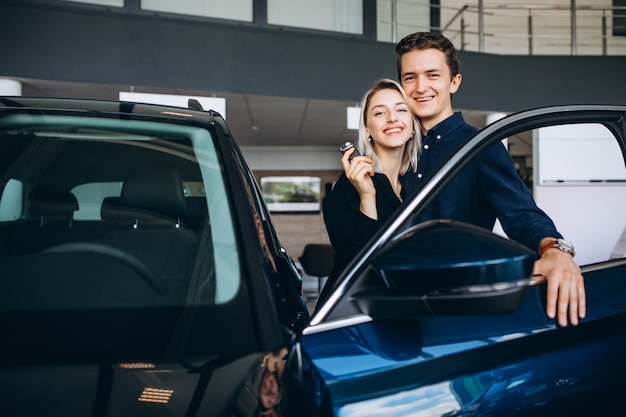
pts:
pixel 444 268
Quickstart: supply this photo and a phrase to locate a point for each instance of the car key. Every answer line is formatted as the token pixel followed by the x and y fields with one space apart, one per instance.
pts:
pixel 343 148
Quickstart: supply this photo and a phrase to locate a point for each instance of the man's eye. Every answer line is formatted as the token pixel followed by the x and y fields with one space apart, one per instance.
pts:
pixel 409 78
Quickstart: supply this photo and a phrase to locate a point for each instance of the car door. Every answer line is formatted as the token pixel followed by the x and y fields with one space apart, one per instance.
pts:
pixel 438 345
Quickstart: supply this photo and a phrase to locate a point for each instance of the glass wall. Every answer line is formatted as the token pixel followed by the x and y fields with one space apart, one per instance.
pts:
pixel 112 3
pixel 505 27
pixel 397 18
pixel 344 16
pixel 240 10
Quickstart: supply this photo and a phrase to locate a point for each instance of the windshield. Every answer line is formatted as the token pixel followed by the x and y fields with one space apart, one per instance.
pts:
pixel 109 213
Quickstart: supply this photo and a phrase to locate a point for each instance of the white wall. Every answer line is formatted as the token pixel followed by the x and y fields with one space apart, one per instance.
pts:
pixel 292 158
pixel 580 181
pixel 591 217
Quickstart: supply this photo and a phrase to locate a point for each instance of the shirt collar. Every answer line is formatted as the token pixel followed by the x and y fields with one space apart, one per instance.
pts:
pixel 445 127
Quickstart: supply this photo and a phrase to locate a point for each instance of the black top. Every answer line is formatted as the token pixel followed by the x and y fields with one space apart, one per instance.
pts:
pixel 487 188
pixel 349 229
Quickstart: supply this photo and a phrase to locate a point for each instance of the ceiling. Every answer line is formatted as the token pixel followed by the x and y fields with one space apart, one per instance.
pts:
pixel 255 120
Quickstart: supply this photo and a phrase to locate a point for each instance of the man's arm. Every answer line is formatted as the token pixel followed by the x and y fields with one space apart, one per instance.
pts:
pixel 526 223
pixel 566 288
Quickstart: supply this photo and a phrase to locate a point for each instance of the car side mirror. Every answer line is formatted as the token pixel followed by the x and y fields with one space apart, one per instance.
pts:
pixel 444 268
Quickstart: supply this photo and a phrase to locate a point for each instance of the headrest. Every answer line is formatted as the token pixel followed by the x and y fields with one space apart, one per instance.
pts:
pixel 155 189
pixel 110 209
pixel 54 204
pixel 196 210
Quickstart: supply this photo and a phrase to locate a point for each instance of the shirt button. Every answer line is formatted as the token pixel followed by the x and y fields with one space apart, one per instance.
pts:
pixel 426 146
pixel 438 137
pixel 419 175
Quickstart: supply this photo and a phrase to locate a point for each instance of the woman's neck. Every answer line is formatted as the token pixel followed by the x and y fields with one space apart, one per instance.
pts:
pixel 391 161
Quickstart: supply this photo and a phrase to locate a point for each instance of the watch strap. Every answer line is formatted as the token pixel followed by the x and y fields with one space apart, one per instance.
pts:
pixel 554 243
pixel 546 246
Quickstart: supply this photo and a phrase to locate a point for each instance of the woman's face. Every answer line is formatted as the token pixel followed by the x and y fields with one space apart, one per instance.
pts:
pixel 388 119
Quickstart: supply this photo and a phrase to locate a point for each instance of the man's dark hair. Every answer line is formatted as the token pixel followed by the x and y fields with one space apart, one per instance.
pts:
pixel 428 40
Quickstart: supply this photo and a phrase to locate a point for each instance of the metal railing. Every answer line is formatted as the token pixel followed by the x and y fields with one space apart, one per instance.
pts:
pixel 531 29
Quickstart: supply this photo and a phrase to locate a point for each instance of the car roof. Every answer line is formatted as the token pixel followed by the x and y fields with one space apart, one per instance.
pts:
pixel 110 106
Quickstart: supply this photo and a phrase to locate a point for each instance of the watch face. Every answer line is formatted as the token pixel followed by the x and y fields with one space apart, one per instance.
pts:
pixel 565 245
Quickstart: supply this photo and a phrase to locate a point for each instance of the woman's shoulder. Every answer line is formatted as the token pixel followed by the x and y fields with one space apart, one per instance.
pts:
pixel 341 192
pixel 337 199
pixel 341 184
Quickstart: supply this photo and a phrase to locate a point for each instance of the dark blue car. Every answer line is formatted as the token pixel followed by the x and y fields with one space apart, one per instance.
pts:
pixel 141 275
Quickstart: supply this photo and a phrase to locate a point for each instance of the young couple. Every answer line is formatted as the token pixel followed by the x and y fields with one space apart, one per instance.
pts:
pixel 400 153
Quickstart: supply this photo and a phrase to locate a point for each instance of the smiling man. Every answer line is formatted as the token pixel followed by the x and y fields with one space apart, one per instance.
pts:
pixel 489 187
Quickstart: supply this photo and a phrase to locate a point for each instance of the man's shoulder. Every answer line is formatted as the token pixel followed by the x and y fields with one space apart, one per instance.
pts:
pixel 455 128
pixel 465 131
pixel 459 121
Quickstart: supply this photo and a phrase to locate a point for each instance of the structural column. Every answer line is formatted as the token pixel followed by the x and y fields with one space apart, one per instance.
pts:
pixel 492 117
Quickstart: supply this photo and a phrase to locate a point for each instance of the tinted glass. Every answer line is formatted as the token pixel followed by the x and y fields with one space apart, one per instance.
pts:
pixel 102 213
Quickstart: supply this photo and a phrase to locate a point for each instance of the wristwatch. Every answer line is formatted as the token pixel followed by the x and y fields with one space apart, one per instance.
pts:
pixel 560 244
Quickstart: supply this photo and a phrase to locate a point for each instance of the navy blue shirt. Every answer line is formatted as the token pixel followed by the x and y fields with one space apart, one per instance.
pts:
pixel 487 188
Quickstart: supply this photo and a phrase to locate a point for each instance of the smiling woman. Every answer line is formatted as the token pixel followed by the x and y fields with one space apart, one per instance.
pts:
pixel 368 191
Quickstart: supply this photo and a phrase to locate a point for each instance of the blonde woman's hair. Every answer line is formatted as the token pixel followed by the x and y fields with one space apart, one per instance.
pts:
pixel 413 146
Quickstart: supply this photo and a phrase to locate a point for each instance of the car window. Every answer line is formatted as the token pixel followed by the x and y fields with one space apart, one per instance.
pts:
pixel 90 197
pixel 138 209
pixel 11 201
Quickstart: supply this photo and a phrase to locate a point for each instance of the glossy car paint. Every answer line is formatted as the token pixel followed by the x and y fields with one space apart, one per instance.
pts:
pixel 423 366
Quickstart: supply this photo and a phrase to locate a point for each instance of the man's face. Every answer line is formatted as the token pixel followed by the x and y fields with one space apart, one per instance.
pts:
pixel 426 78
